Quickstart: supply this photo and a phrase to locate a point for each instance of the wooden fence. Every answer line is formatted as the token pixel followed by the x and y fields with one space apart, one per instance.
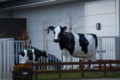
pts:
pixel 102 66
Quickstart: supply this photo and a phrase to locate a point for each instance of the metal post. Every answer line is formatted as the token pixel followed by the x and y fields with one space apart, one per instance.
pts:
pixel 44 43
pixel 100 47
pixel 117 49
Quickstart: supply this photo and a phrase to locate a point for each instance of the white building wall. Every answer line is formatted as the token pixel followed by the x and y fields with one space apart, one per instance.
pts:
pixel 103 12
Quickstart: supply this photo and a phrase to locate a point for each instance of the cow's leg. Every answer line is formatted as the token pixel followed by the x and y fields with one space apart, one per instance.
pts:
pixel 69 59
pixel 93 59
pixel 90 56
pixel 66 58
pixel 86 65
pixel 86 59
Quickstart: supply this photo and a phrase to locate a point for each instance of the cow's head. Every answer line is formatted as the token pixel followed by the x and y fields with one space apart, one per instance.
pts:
pixel 58 30
pixel 26 56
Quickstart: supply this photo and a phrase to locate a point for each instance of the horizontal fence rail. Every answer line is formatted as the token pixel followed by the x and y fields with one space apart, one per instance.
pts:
pixel 102 67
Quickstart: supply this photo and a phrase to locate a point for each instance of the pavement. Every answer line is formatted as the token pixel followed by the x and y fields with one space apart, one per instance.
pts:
pixel 94 79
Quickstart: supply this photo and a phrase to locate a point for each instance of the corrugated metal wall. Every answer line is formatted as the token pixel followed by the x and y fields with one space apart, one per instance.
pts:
pixel 6 58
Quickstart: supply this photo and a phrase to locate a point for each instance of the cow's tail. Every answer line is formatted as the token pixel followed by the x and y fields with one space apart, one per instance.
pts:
pixel 96 40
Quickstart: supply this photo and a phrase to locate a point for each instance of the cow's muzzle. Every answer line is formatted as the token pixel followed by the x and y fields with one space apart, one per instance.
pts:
pixel 56 40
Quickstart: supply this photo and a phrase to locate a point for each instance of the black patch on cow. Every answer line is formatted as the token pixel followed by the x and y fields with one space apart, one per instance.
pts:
pixel 67 41
pixel 30 54
pixel 22 53
pixel 38 53
pixel 96 40
pixel 83 42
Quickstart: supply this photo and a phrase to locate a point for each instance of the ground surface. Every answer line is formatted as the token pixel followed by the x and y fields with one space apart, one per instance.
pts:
pixel 95 79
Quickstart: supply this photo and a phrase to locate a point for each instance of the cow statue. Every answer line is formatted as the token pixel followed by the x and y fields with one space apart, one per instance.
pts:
pixel 31 55
pixel 75 44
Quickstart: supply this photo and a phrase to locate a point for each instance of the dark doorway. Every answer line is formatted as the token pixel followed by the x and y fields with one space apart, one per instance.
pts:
pixel 10 27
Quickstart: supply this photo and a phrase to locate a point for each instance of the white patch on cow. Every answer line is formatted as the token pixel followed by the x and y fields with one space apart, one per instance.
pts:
pixel 23 59
pixel 33 55
pixel 57 31
pixel 91 41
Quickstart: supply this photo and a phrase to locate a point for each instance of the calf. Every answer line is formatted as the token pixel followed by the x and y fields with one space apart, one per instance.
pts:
pixel 75 44
pixel 31 55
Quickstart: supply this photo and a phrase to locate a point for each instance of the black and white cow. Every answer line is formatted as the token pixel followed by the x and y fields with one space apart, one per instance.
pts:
pixel 75 44
pixel 31 55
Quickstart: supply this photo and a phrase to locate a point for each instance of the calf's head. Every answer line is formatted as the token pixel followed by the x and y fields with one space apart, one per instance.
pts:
pixel 23 58
pixel 58 31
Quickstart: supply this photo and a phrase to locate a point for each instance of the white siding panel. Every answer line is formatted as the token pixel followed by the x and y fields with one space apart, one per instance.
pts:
pixel 78 25
pixel 105 31
pixel 105 20
pixel 73 11
pixel 32 27
pixel 34 35
pixel 103 12
pixel 99 7
pixel 46 14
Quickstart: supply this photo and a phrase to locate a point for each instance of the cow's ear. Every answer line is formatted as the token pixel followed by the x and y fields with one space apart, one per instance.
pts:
pixel 64 28
pixel 50 28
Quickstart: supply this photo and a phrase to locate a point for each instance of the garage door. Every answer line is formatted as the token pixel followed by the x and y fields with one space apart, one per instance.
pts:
pixel 102 12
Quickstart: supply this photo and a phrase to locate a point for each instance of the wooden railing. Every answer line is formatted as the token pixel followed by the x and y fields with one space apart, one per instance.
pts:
pixel 103 66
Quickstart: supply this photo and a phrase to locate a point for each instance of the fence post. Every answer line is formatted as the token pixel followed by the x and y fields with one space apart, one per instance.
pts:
pixel 82 67
pixel 110 64
pixel 36 71
pixel 59 69
pixel 89 63
pixel 105 69
pixel 79 65
pixel 99 64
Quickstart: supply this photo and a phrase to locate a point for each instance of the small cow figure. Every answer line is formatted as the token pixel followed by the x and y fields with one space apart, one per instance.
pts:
pixel 31 55
pixel 75 44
